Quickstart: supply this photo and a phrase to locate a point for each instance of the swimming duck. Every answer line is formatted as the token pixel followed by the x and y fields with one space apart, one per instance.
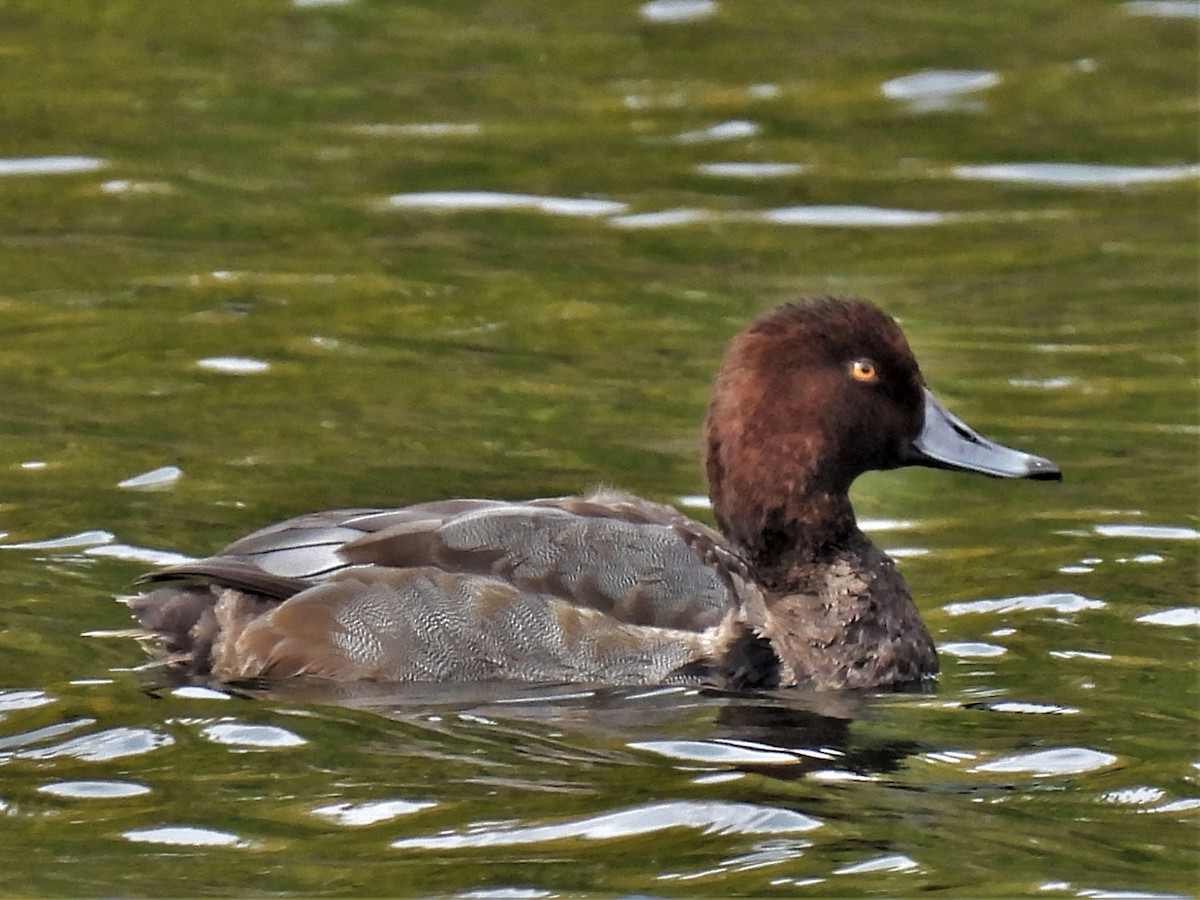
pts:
pixel 608 587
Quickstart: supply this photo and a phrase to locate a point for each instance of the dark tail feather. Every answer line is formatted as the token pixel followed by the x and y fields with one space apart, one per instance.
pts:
pixel 231 572
pixel 184 620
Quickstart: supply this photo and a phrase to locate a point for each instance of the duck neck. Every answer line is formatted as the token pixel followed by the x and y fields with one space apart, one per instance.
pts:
pixel 791 540
pixel 836 612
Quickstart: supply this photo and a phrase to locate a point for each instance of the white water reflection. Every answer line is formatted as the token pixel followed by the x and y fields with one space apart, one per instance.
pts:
pixel 94 790
pixel 469 201
pixel 114 743
pixel 196 692
pixel 1179 617
pixel 734 129
pixel 50 165
pixel 939 89
pixel 713 817
pixel 971 649
pixel 237 734
pixel 1076 174
pixel 10 701
pixel 126 186
pixel 1156 532
pixel 155 480
pixel 1057 761
pixel 1056 602
pixel 853 217
pixel 131 553
pixel 667 218
pixel 1163 9
pixel 359 814
pixel 720 752
pixel 671 11
pixel 67 542
pixel 750 170
pixel 233 365
pixel 893 863
pixel 185 836
pixel 1034 709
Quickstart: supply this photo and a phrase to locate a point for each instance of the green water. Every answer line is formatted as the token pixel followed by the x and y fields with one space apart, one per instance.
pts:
pixel 237 206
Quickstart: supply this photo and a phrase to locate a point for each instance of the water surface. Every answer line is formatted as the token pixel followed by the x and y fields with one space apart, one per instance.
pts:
pixel 265 258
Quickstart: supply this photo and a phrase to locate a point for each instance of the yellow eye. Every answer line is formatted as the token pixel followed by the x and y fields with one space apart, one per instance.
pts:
pixel 864 370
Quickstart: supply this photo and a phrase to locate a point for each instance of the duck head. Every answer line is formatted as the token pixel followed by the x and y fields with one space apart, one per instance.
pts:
pixel 808 398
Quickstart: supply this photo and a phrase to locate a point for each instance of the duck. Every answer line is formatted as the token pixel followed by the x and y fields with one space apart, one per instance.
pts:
pixel 608 588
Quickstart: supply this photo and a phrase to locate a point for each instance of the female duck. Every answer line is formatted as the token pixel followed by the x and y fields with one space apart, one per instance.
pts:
pixel 611 588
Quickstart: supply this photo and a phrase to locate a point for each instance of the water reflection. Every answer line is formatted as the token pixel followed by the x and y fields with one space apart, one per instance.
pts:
pixel 1046 763
pixel 733 130
pixel 1056 602
pixel 707 817
pixel 1067 175
pixel 94 790
pixel 671 11
pixel 50 165
pixel 372 812
pixel 750 170
pixel 853 217
pixel 939 89
pixel 186 836
pixel 467 201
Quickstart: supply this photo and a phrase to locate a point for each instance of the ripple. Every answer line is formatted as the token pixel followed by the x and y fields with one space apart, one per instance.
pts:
pixel 971 649
pixel 126 186
pixel 893 863
pixel 734 129
pixel 67 542
pixel 852 217
pixel 667 218
pixel 155 480
pixel 185 836
pixel 238 734
pixel 886 524
pixel 720 752
pixel 1178 617
pixel 1057 602
pixel 421 129
pixel 1156 532
pixel 197 692
pixel 148 555
pixel 939 83
pixel 23 699
pixel 473 201
pixel 1075 174
pixel 357 814
pixel 939 89
pixel 1079 654
pixel 1163 9
pixel 671 11
pixel 708 817
pixel 906 552
pixel 1036 709
pixel 94 790
pixel 1048 384
pixel 750 170
pixel 50 165
pixel 1134 796
pixel 233 365
pixel 114 743
pixel 1058 761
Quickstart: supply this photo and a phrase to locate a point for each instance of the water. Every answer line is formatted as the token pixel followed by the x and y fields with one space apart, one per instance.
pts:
pixel 219 312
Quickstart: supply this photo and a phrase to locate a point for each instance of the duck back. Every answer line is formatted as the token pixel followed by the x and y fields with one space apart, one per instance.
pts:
pixel 602 588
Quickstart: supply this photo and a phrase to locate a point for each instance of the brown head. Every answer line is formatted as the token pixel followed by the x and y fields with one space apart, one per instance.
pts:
pixel 809 397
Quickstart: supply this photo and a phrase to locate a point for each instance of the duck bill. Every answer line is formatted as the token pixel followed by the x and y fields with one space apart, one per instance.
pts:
pixel 947 442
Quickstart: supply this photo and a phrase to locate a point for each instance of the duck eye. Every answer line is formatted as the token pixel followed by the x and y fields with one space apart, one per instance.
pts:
pixel 864 370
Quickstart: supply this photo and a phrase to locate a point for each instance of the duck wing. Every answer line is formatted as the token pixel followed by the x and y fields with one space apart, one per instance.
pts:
pixel 606 588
